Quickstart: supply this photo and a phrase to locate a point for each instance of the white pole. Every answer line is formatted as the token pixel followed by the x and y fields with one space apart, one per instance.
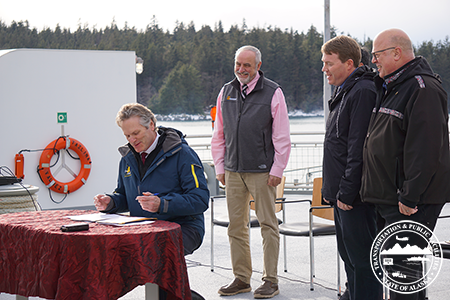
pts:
pixel 326 85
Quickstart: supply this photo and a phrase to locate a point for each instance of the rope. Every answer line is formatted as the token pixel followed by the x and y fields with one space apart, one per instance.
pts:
pixel 11 204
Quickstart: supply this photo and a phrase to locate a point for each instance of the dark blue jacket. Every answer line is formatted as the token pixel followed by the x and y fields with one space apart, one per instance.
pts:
pixel 346 129
pixel 176 174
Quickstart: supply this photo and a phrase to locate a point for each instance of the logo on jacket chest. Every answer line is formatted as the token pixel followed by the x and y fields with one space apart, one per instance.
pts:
pixel 127 172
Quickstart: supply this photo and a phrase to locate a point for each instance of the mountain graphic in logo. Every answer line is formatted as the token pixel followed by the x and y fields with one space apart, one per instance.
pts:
pixel 407 250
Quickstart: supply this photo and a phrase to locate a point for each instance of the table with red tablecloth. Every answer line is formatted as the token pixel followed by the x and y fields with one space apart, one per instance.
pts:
pixel 105 262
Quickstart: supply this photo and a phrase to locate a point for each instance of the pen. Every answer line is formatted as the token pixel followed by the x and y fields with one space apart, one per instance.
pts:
pixel 153 194
pixel 138 220
pixel 139 191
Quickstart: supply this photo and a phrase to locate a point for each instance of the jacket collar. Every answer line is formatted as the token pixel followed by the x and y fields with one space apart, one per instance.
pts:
pixel 418 64
pixel 361 72
pixel 172 138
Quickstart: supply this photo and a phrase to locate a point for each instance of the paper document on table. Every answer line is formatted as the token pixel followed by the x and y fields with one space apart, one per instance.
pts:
pixel 112 219
pixel 119 220
pixel 92 217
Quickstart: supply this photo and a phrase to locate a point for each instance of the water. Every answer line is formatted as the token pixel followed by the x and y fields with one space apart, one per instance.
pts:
pixel 204 126
pixel 306 154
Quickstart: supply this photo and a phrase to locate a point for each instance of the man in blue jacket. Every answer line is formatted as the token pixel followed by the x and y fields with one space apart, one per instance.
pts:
pixel 160 176
pixel 350 108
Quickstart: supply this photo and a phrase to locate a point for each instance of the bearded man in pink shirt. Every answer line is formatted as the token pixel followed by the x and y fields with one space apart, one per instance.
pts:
pixel 250 147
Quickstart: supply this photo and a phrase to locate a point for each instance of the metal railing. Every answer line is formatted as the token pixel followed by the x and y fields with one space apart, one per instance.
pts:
pixel 305 161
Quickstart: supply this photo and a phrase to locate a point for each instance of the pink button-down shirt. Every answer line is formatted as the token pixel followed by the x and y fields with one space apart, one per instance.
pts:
pixel 280 133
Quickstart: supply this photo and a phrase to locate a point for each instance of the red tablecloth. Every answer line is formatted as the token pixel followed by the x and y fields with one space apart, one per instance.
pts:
pixel 106 262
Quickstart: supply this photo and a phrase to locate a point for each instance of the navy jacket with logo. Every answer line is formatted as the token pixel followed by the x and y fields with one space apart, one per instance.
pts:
pixel 176 174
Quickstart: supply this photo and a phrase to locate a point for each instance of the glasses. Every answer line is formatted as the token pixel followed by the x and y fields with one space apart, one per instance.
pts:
pixel 377 54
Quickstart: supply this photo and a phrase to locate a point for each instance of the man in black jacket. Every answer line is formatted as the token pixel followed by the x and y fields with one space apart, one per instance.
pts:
pixel 350 108
pixel 406 171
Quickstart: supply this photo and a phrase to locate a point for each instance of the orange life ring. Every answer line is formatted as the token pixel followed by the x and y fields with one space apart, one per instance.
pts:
pixel 44 165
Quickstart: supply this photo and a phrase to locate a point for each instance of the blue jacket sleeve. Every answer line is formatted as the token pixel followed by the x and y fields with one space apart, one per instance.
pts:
pixel 194 195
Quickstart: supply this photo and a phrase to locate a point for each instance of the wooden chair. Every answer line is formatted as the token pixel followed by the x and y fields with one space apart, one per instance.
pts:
pixel 312 228
pixel 253 221
pixel 445 246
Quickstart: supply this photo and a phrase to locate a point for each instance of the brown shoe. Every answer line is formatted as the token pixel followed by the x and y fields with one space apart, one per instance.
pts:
pixel 235 287
pixel 266 290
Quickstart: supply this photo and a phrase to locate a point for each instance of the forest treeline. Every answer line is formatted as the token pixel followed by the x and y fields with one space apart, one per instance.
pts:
pixel 185 69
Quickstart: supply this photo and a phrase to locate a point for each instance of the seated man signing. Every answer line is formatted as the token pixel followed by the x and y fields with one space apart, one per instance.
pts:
pixel 160 176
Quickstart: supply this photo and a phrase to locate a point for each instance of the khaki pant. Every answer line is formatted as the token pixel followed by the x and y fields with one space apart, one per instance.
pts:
pixel 237 189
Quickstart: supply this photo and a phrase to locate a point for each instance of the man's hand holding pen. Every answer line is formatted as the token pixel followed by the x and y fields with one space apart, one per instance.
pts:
pixel 149 202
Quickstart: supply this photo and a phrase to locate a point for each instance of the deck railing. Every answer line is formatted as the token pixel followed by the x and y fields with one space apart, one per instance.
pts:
pixel 305 161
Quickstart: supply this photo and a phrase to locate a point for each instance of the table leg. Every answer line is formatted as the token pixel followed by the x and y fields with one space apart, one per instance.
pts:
pixel 151 291
pixel 19 297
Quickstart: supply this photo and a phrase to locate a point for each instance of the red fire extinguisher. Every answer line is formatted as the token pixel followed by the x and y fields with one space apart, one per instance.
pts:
pixel 19 166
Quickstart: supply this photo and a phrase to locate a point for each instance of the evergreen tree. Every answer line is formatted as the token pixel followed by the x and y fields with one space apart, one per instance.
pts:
pixel 181 92
pixel 184 70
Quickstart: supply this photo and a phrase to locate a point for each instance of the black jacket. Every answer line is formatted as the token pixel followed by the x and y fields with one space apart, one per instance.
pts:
pixel 346 129
pixel 406 153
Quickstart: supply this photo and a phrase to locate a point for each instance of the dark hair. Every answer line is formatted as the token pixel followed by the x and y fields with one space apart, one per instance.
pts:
pixel 345 47
pixel 365 56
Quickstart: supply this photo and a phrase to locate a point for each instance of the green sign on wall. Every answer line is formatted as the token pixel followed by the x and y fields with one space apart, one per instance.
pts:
pixel 62 117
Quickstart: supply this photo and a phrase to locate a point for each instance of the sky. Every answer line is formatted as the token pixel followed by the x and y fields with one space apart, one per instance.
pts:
pixel 421 20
